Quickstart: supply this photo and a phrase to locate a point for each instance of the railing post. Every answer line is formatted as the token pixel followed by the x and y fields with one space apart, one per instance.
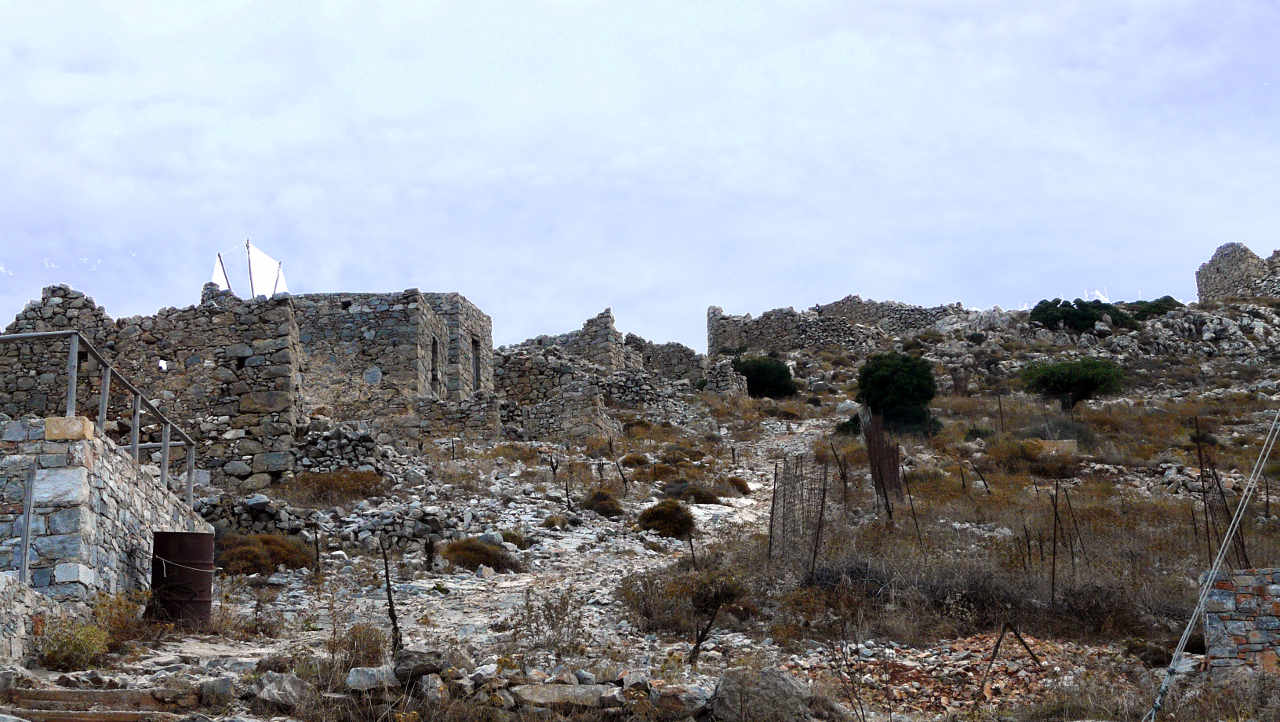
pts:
pixel 191 473
pixel 164 456
pixel 102 400
pixel 73 368
pixel 137 421
pixel 28 509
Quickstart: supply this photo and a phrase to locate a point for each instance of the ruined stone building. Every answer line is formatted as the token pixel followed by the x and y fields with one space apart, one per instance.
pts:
pixel 1234 271
pixel 245 375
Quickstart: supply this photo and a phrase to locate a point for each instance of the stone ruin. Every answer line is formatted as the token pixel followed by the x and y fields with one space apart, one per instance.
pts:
pixel 850 323
pixel 1234 271
pixel 244 375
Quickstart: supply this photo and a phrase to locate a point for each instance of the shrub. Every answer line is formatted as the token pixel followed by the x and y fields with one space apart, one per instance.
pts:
pixel 511 536
pixel 332 488
pixel 552 621
pixel 737 483
pixel 633 460
pixel 512 452
pixel 361 645
pixel 1143 310
pixel 897 386
pixel 700 495
pixel 121 617
pixel 69 645
pixel 669 518
pixel 603 503
pixel 768 377
pixel 974 433
pixel 470 553
pixel 261 553
pixel 1078 316
pixel 555 521
pixel 851 426
pixel 1073 381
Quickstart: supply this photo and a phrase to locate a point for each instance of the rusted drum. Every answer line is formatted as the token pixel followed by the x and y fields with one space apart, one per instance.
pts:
pixel 182 578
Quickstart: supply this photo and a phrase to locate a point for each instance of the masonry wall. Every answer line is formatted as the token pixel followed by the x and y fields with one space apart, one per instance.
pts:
pixel 469 347
pixel 850 323
pixel 369 353
pixel 94 509
pixel 1242 620
pixel 673 361
pixel 1234 271
pixel 22 610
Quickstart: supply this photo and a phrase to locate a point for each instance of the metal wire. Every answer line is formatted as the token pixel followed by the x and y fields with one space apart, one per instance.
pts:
pixel 1212 576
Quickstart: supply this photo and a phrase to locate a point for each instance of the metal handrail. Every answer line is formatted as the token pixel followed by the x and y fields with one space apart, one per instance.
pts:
pixel 75 341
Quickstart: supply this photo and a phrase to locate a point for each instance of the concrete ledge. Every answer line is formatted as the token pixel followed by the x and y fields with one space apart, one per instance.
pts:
pixel 63 428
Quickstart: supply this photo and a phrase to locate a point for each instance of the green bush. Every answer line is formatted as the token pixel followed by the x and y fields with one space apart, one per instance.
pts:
pixel 1143 310
pixel 898 387
pixel 851 426
pixel 1073 381
pixel 69 645
pixel 768 377
pixel 1079 315
pixel 669 518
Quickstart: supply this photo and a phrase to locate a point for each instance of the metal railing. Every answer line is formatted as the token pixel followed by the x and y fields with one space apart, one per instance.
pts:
pixel 76 341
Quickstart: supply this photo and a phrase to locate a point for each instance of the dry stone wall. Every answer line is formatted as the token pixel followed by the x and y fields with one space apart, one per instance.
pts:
pixel 1234 271
pixel 850 323
pixel 21 610
pixel 94 510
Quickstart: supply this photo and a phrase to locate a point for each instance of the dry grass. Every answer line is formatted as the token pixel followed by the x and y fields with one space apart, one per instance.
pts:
pixel 332 488
pixel 669 518
pixel 603 503
pixel 261 553
pixel 528 455
pixel 471 553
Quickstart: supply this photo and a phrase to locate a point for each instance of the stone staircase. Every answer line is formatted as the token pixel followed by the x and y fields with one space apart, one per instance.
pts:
pixel 100 705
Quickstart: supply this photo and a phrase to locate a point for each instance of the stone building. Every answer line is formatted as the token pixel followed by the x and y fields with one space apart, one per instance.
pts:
pixel 245 374
pixel 1234 271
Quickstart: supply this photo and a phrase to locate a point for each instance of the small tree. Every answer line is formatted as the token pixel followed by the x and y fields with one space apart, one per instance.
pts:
pixel 766 376
pixel 898 387
pixel 1073 381
pixel 1079 315
pixel 711 590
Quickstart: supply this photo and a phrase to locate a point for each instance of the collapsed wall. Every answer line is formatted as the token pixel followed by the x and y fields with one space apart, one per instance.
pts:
pixel 1242 621
pixel 1234 271
pixel 94 510
pixel 850 323
pixel 243 375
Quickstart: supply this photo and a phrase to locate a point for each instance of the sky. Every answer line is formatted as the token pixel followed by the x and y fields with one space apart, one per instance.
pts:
pixel 550 158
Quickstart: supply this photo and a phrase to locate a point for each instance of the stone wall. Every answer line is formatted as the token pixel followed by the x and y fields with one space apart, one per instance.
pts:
pixel 468 354
pixel 1234 271
pixel 22 610
pixel 669 360
pixel 241 376
pixel 1242 621
pixel 549 395
pixel 368 353
pixel 94 509
pixel 850 323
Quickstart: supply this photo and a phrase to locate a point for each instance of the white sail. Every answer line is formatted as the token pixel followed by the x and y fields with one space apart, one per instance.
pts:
pixel 266 272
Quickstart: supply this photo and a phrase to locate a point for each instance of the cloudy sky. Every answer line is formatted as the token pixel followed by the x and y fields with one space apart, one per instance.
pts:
pixel 551 158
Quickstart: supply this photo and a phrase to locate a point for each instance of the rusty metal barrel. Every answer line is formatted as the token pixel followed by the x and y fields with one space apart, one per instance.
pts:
pixel 182 578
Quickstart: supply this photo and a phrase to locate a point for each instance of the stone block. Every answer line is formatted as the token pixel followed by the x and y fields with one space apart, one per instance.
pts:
pixel 68 521
pixel 61 487
pixel 73 572
pixel 272 461
pixel 264 402
pixel 60 548
pixel 62 428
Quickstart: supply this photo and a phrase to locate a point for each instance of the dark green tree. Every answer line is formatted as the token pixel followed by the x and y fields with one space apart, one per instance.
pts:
pixel 1073 381
pixel 766 376
pixel 1079 315
pixel 899 387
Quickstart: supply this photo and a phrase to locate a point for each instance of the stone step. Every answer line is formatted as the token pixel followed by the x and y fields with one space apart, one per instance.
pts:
pixel 54 715
pixel 76 699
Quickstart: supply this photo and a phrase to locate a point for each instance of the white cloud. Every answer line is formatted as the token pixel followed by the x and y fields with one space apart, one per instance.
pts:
pixel 656 157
